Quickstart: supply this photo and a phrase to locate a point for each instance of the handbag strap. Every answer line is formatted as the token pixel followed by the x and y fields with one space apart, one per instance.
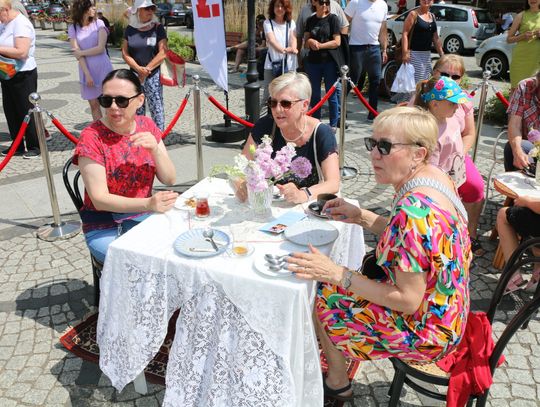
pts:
pixel 286 36
pixel 436 185
pixel 317 165
pixel 412 29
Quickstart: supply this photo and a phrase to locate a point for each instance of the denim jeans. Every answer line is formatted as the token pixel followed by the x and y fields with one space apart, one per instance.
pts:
pixel 367 59
pixel 526 146
pixel 328 71
pixel 98 241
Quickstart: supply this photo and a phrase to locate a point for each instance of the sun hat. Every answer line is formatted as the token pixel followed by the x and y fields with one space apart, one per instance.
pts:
pixel 137 4
pixel 446 89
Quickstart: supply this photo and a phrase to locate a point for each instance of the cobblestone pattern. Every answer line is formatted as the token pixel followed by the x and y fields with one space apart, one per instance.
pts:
pixel 46 287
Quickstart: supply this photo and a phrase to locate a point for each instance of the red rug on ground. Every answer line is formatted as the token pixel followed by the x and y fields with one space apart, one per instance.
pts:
pixel 81 341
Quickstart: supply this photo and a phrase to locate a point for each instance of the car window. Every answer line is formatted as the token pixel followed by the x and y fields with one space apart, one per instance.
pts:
pixel 483 16
pixel 178 6
pixel 459 15
pixel 403 16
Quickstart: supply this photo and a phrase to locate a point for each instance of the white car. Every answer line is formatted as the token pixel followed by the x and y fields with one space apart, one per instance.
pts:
pixel 495 55
pixel 393 7
pixel 460 27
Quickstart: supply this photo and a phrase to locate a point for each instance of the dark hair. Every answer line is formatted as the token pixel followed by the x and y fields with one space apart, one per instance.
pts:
pixel 125 74
pixel 286 5
pixel 259 18
pixel 78 9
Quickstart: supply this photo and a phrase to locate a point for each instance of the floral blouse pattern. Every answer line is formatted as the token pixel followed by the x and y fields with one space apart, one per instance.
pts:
pixel 419 238
pixel 130 170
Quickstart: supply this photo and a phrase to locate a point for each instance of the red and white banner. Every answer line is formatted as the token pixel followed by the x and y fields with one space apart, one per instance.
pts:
pixel 209 36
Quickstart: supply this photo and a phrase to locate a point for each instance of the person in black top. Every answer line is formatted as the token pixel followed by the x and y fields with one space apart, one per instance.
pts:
pixel 144 49
pixel 289 102
pixel 322 34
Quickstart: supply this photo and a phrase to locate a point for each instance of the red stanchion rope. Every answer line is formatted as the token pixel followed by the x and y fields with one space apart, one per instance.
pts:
pixel 501 97
pixel 228 113
pixel 323 100
pixel 62 129
pixel 176 116
pixel 363 99
pixel 16 142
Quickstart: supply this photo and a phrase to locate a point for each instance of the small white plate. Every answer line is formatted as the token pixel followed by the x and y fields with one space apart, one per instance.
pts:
pixel 313 231
pixel 261 265
pixel 192 243
pixel 185 203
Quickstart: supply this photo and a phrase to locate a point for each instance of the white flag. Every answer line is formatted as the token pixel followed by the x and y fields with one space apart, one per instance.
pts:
pixel 210 39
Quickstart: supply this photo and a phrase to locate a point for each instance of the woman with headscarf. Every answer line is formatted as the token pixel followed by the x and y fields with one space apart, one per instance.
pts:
pixel 144 49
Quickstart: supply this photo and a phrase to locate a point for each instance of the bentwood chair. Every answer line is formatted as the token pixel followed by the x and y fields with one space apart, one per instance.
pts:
pixel 72 187
pixel 431 374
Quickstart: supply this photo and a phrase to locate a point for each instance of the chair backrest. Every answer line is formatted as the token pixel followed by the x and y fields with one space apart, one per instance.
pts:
pixel 72 185
pixel 514 264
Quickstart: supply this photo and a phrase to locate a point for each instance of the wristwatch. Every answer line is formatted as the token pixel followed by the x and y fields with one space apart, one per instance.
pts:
pixel 308 193
pixel 346 280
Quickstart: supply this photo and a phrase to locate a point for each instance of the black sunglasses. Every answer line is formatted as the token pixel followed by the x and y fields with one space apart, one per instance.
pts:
pixel 454 77
pixel 384 146
pixel 285 104
pixel 323 3
pixel 121 101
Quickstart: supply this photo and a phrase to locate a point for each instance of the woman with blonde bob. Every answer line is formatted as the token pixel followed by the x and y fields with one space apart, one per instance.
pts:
pixel 411 300
pixel 289 102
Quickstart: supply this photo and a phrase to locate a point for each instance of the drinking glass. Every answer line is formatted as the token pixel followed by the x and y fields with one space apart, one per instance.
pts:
pixel 202 209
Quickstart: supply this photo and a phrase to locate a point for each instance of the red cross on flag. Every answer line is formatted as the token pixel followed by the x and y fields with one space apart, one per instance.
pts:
pixel 209 36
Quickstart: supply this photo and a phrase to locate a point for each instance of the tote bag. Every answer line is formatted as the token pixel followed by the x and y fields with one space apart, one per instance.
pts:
pixel 9 67
pixel 173 70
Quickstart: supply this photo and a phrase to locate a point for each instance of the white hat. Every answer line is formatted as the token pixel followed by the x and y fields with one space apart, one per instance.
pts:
pixel 137 4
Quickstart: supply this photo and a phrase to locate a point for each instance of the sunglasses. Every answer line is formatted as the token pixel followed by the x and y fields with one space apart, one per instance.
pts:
pixel 384 146
pixel 121 101
pixel 324 3
pixel 454 77
pixel 285 104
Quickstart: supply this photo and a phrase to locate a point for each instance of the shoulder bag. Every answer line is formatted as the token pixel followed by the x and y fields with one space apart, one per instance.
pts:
pixel 280 67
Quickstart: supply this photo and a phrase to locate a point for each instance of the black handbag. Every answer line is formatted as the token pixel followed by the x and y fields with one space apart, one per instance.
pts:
pixel 371 269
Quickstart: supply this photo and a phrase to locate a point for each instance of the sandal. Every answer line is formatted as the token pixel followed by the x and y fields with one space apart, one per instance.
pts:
pixel 515 284
pixel 336 393
pixel 476 247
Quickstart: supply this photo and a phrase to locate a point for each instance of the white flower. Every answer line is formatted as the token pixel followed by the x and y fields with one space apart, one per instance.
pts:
pixel 240 162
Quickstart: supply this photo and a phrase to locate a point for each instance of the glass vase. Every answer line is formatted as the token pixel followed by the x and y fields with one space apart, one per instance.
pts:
pixel 260 202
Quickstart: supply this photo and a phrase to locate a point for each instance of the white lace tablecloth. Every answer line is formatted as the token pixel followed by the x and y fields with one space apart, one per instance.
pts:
pixel 242 338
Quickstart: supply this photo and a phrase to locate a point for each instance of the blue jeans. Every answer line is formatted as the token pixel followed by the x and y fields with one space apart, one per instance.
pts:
pixel 367 59
pixel 98 241
pixel 526 146
pixel 328 71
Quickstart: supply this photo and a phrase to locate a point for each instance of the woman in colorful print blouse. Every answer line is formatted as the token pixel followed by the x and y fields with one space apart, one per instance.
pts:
pixel 119 156
pixel 417 307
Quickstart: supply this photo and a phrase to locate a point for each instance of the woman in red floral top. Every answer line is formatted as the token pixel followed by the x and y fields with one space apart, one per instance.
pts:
pixel 118 156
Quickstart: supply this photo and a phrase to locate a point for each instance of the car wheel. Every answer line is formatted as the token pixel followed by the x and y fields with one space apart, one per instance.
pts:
pixel 389 72
pixel 390 38
pixel 453 45
pixel 189 22
pixel 496 63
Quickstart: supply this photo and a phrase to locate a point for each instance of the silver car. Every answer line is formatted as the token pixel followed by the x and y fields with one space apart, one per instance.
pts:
pixel 460 27
pixel 495 55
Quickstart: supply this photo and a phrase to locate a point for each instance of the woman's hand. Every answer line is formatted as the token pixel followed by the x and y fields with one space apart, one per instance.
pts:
pixel 406 57
pixel 290 50
pixel 146 140
pixel 313 44
pixel 77 53
pixel 291 193
pixel 315 266
pixel 339 209
pixel 162 201
pixel 89 81
pixel 143 72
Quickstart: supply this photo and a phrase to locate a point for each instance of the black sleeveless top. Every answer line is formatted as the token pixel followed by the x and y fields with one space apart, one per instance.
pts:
pixel 422 36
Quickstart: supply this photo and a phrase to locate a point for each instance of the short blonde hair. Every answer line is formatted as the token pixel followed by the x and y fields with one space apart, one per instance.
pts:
pixel 6 4
pixel 297 82
pixel 453 60
pixel 417 125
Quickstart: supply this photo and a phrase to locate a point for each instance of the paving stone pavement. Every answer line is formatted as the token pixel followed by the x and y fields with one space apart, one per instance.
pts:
pixel 45 287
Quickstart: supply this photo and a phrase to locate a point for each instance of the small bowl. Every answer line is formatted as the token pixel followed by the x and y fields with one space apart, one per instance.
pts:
pixel 247 250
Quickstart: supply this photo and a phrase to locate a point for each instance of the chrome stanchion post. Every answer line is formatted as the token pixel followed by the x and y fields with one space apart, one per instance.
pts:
pixel 57 229
pixel 198 134
pixel 346 172
pixel 481 109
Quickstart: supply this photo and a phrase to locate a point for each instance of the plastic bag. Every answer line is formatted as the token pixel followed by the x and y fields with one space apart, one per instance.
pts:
pixel 404 82
pixel 173 70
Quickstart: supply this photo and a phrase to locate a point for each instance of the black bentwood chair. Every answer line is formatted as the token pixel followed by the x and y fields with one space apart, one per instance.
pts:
pixel 72 186
pixel 432 374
